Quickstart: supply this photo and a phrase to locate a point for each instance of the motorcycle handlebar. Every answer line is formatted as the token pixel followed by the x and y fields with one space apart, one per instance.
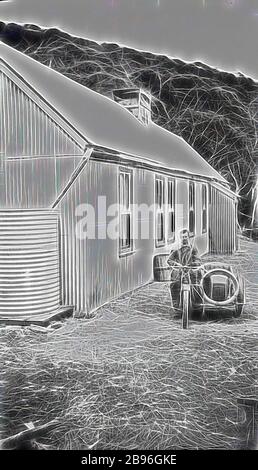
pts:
pixel 178 265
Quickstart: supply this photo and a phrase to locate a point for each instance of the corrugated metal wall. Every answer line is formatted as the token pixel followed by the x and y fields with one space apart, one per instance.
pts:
pixel 37 156
pixel 29 263
pixel 35 183
pixel 222 222
pixel 93 272
pixel 26 130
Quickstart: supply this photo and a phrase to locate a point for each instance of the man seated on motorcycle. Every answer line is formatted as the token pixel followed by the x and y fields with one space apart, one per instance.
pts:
pixel 186 255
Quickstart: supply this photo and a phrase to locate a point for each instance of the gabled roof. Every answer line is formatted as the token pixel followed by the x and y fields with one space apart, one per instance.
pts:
pixel 99 120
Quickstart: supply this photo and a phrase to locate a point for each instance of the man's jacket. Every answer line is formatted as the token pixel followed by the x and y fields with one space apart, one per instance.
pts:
pixel 186 255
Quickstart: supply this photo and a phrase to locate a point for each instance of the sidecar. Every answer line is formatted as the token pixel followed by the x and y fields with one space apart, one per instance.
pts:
pixel 219 289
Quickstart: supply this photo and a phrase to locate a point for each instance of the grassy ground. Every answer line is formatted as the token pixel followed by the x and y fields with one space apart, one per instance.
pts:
pixel 131 378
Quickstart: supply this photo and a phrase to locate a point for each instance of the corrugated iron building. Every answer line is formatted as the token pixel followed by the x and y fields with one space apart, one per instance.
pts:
pixel 62 147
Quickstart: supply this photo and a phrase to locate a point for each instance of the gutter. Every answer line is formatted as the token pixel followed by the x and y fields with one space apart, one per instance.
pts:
pixel 112 156
pixel 106 155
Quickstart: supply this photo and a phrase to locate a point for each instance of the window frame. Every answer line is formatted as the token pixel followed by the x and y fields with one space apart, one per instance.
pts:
pixel 204 208
pixel 125 211
pixel 192 207
pixel 171 209
pixel 160 210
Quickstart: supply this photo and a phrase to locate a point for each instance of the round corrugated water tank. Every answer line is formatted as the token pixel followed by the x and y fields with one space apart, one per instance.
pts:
pixel 29 263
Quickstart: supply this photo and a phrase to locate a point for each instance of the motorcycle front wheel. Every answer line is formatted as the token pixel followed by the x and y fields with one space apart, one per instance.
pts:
pixel 186 309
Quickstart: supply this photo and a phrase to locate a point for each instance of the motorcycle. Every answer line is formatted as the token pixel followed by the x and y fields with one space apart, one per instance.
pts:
pixel 217 288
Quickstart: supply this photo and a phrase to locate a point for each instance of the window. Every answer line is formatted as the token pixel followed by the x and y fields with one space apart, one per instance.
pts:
pixel 125 205
pixel 171 209
pixel 204 208
pixel 160 216
pixel 191 208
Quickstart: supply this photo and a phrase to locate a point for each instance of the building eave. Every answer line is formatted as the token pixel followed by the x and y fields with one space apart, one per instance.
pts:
pixel 106 155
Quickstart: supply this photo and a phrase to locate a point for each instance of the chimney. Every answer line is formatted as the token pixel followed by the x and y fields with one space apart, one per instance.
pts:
pixel 135 100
